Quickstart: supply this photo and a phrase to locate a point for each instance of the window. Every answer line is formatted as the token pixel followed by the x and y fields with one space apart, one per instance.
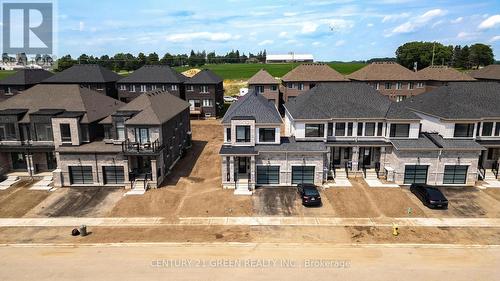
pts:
pixel 113 174
pixel 65 132
pixel 349 128
pixel 487 129
pixel 7 131
pixel 400 131
pixel 289 85
pixel 153 87
pixel 399 86
pixel 301 86
pixel 259 89
pixel 107 132
pixel 267 135
pixel 242 133
pixel 360 129
pixel 204 89
pixel 84 128
pixel 380 126
pixel 144 88
pixel 132 88
pixel 123 87
pixel 400 98
pixel 274 88
pixel 142 135
pixel 268 175
pixel 120 130
pixel 377 86
pixel 315 130
pixel 464 131
pixel 189 88
pixel 497 129
pixel 388 85
pixel 174 87
pixel 478 129
pixel 420 84
pixel 370 129
pixel 43 132
pixel 228 134
pixel 208 103
pixel 163 87
pixel 339 129
pixel 330 129
pixel 410 85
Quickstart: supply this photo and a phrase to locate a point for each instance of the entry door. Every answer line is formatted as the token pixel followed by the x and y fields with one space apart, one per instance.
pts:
pixel 336 155
pixel 365 155
pixel 19 161
pixel 242 165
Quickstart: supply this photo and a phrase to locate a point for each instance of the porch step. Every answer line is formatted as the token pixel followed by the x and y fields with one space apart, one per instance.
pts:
pixel 10 181
pixel 44 184
pixel 242 191
pixel 371 174
pixel 340 173
pixel 135 191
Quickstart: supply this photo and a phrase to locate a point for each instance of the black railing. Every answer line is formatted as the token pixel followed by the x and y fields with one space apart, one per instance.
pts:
pixel 135 147
pixel 494 169
pixel 346 165
pixel 377 169
pixel 249 180
pixel 363 168
pixel 133 176
pixel 482 172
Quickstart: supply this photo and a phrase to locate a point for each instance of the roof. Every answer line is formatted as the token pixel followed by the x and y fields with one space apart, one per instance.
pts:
pixel 91 147
pixel 253 105
pixel 262 77
pixel 205 76
pixel 154 108
pixel 296 57
pixel 383 71
pixel 443 73
pixel 26 76
pixel 345 100
pixel 63 97
pixel 237 150
pixel 84 73
pixel 154 74
pixel 459 100
pixel 434 141
pixel 314 72
pixel 490 72
pixel 290 145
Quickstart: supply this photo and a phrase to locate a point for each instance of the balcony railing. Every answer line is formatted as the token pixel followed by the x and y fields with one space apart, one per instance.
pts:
pixel 141 148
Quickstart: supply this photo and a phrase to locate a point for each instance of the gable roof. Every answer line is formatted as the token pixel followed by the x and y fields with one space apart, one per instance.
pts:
pixel 262 77
pixel 383 71
pixel 154 74
pixel 459 100
pixel 205 76
pixel 253 106
pixel 443 73
pixel 345 100
pixel 84 73
pixel 314 72
pixel 490 72
pixel 154 108
pixel 26 76
pixel 65 97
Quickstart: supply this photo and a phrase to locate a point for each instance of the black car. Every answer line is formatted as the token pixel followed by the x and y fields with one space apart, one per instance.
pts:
pixel 430 196
pixel 309 194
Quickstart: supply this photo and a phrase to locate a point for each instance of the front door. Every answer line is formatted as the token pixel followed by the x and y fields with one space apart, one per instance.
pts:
pixel 242 165
pixel 336 155
pixel 19 161
pixel 365 156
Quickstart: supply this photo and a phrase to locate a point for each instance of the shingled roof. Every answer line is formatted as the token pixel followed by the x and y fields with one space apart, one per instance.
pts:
pixel 314 72
pixel 154 74
pixel 443 73
pixel 262 77
pixel 84 73
pixel 254 106
pixel 74 98
pixel 383 71
pixel 345 100
pixel 490 72
pixel 26 76
pixel 154 108
pixel 459 100
pixel 205 76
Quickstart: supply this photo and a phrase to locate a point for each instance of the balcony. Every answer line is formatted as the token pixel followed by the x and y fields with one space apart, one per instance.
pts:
pixel 135 148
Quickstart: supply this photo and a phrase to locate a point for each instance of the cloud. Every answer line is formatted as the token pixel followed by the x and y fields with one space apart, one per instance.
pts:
pixel 439 22
pixel 207 36
pixel 340 43
pixel 457 20
pixel 340 25
pixel 81 26
pixel 283 34
pixel 309 27
pixel 416 23
pixel 266 42
pixel 465 36
pixel 316 43
pixel 389 18
pixel 490 22
pixel 495 38
pixel 290 14
pixel 370 25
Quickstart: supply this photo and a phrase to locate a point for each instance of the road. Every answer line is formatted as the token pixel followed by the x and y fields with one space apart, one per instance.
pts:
pixel 248 262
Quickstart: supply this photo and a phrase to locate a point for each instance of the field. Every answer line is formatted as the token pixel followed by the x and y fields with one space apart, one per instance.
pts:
pixel 6 73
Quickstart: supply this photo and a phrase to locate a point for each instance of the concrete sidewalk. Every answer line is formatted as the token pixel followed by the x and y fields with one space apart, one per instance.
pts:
pixel 251 221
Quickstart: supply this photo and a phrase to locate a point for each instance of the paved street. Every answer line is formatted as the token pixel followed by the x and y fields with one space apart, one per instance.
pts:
pixel 240 261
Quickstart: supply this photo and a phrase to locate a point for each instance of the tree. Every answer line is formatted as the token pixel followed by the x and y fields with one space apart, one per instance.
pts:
pixel 152 59
pixel 480 55
pixel 83 59
pixel 141 60
pixel 167 59
pixel 422 54
pixel 455 60
pixel 464 58
pixel 65 62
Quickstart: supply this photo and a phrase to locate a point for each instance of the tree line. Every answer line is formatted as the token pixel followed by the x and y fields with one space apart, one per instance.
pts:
pixel 129 62
pixel 433 53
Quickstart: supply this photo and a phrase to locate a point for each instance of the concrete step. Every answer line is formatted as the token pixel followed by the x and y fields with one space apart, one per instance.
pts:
pixel 135 191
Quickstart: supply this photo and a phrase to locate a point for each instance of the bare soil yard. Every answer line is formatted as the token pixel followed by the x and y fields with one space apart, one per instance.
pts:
pixel 18 199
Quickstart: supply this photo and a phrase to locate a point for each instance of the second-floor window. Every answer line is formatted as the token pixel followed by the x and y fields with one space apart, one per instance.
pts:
pixel 420 84
pixel 399 131
pixel 400 98
pixel 43 132
pixel 267 134
pixel 399 86
pixel 189 88
pixel 410 86
pixel 259 89
pixel 208 103
pixel 487 129
pixel 339 129
pixel 174 87
pixel 274 88
pixel 315 130
pixel 464 130
pixel 120 130
pixel 388 85
pixel 497 129
pixel 370 129
pixel 228 134
pixel 242 133
pixel 7 132
pixel 301 86
pixel 123 87
pixel 204 89
pixel 142 135
pixel 153 87
pixel 380 126
pixel 132 88
pixel 65 131
pixel 144 88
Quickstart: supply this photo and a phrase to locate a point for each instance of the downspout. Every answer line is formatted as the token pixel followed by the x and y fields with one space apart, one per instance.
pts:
pixel 96 168
pixel 437 166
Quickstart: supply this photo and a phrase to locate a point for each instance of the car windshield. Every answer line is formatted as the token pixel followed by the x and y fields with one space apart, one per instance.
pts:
pixel 311 192
pixel 435 194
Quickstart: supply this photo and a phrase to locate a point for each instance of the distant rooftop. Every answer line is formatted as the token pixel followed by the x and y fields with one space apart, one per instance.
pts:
pixel 84 73
pixel 490 72
pixel 443 73
pixel 154 74
pixel 383 71
pixel 27 76
pixel 262 77
pixel 313 72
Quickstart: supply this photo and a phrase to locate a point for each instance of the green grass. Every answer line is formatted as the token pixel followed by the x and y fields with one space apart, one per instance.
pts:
pixel 6 73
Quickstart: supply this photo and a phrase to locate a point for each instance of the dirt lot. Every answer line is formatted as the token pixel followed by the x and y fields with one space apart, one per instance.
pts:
pixel 17 200
pixel 193 188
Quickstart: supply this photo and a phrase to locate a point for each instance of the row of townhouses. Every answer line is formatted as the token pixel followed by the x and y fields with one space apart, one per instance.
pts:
pixel 448 136
pixel 84 138
pixel 204 91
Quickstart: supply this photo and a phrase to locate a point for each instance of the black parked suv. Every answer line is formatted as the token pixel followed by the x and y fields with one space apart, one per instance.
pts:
pixel 430 196
pixel 309 194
